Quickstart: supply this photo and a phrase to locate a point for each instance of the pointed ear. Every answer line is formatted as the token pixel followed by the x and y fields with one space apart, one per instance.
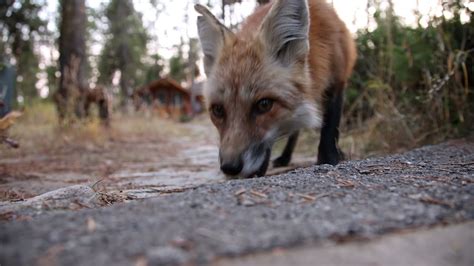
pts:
pixel 285 31
pixel 212 35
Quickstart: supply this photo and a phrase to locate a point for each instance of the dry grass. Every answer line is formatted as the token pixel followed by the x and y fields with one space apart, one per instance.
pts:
pixel 356 144
pixel 38 131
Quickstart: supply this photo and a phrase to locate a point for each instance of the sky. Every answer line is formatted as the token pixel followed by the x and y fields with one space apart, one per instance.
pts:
pixel 178 20
pixel 169 26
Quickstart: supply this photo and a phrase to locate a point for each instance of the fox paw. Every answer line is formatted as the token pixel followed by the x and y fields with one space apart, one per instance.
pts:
pixel 281 162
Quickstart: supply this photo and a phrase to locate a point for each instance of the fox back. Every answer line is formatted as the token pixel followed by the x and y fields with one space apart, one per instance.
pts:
pixel 270 79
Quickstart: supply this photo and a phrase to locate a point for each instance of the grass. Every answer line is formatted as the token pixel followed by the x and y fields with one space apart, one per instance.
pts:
pixel 38 131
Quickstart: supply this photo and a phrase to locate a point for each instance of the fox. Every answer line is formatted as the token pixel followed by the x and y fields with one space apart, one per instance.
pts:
pixel 285 70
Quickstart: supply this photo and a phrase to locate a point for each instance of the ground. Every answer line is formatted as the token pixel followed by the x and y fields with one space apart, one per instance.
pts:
pixel 139 156
pixel 134 155
pixel 148 192
pixel 307 208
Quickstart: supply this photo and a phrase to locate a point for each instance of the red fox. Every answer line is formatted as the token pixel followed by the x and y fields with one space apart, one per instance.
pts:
pixel 285 70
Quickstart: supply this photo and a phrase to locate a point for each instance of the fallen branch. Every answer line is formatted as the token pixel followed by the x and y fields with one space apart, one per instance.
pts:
pixel 306 197
pixel 431 200
pixel 258 194
pixel 10 142
pixel 240 192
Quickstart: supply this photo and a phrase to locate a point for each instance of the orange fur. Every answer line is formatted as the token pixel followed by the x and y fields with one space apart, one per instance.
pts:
pixel 277 55
pixel 332 50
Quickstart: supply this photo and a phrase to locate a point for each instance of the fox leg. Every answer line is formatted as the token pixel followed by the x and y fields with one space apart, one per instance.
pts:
pixel 285 157
pixel 328 151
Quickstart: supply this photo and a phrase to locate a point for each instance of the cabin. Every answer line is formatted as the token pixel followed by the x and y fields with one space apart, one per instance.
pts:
pixel 166 96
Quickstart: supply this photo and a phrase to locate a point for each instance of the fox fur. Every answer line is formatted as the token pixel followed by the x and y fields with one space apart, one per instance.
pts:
pixel 284 70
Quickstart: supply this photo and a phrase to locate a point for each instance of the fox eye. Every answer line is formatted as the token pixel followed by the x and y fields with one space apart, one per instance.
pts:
pixel 218 111
pixel 263 106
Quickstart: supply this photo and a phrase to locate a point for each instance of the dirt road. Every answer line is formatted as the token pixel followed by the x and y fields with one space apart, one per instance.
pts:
pixel 139 163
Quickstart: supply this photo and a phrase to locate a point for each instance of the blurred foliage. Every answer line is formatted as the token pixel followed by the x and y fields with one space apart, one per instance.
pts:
pixel 183 66
pixel 177 65
pixel 155 69
pixel 193 58
pixel 412 85
pixel 125 46
pixel 52 73
pixel 21 27
pixel 27 70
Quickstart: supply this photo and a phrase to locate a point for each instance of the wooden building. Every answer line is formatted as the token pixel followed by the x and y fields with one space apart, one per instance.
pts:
pixel 166 97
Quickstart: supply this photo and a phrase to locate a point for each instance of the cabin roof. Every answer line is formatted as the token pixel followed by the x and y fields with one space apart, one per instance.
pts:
pixel 169 84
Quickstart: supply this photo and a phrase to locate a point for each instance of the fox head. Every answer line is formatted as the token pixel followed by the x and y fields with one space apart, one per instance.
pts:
pixel 258 87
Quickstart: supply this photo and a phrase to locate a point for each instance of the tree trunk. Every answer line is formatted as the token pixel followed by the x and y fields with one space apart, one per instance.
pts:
pixel 124 53
pixel 125 78
pixel 72 60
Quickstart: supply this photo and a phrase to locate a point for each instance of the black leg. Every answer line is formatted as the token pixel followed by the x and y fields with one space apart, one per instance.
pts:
pixel 328 151
pixel 285 157
pixel 86 108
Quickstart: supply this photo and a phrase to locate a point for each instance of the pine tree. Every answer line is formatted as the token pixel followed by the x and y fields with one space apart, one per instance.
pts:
pixel 125 47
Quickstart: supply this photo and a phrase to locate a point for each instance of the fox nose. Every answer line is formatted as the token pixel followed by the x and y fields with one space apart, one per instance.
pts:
pixel 232 167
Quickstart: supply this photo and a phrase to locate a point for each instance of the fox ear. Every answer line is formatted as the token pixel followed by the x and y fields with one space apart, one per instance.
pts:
pixel 212 35
pixel 285 31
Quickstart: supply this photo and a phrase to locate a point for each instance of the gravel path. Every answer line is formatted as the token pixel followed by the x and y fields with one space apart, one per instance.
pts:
pixel 358 199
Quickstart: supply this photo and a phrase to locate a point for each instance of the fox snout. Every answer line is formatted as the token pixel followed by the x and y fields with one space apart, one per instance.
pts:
pixel 251 162
pixel 231 166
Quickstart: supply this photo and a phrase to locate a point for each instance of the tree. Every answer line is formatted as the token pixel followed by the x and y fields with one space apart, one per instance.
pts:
pixel 230 8
pixel 177 65
pixel 21 30
pixel 53 77
pixel 192 70
pixel 27 67
pixel 72 59
pixel 184 66
pixel 411 83
pixel 154 70
pixel 124 48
